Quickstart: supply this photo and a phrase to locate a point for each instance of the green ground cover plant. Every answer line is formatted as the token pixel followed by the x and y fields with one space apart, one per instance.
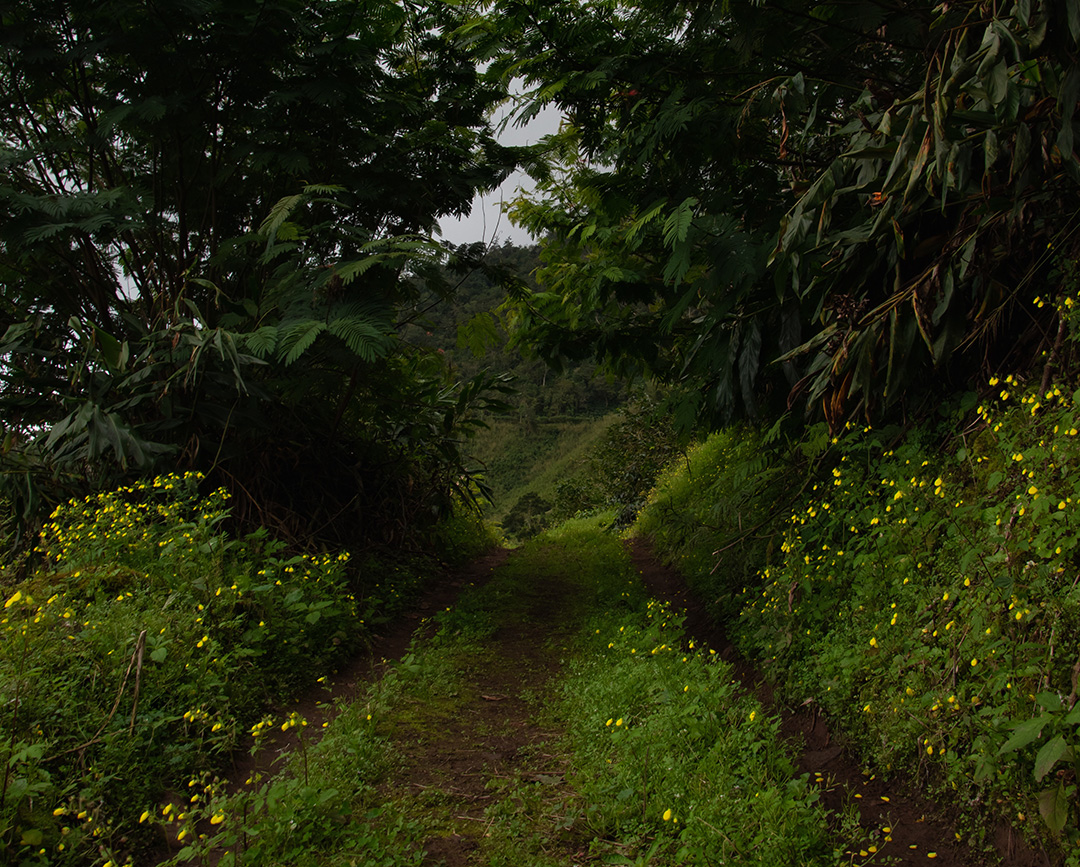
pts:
pixel 928 598
pixel 666 760
pixel 675 761
pixel 143 647
pixel 320 805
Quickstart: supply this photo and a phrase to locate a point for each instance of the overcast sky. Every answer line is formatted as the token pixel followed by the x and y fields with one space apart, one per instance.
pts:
pixel 487 223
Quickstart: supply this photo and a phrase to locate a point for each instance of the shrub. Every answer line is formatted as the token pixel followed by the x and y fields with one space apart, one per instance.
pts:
pixel 139 653
pixel 923 596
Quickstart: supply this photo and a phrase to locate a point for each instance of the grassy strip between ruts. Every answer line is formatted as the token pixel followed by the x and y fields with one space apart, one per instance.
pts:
pixel 660 758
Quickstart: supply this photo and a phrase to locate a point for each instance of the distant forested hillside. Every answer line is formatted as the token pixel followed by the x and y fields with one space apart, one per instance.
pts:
pixel 470 330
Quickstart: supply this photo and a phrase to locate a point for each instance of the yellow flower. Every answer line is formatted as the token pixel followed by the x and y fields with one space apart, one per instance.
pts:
pixel 217 818
pixel 15 597
pixel 667 815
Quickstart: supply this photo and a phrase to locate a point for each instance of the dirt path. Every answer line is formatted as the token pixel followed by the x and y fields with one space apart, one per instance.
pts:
pixel 461 756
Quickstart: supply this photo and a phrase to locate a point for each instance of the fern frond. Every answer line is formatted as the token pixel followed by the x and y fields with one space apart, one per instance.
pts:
pixel 362 336
pixel 297 339
pixel 279 214
pixel 262 342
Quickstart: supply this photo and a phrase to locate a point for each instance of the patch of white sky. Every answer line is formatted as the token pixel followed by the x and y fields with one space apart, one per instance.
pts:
pixel 487 221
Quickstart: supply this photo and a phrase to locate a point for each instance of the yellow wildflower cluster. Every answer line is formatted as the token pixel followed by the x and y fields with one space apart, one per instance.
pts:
pixel 260 728
pixel 197 715
pixel 294 721
pixel 123 519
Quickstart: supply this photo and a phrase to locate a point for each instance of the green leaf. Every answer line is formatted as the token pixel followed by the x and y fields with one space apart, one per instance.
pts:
pixel 298 338
pixel 113 351
pixel 1025 733
pixel 1054 808
pixel 1067 98
pixel 362 336
pixel 1049 701
pixel 1049 755
pixel 262 342
pixel 997 83
pixel 1072 12
pixel 351 270
pixel 278 215
pixel 1021 150
pixel 678 223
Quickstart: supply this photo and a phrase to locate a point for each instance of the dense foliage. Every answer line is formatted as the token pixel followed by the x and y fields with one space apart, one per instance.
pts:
pixel 470 330
pixel 842 206
pixel 216 218
pixel 920 588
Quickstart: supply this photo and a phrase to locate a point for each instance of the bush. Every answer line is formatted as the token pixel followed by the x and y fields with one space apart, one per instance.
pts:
pixel 923 596
pixel 142 650
pixel 726 493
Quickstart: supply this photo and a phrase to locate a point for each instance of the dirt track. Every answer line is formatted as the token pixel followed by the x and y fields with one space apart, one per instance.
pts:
pixel 495 735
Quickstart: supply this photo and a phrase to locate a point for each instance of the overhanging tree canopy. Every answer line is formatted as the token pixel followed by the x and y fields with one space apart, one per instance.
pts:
pixel 213 218
pixel 771 203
